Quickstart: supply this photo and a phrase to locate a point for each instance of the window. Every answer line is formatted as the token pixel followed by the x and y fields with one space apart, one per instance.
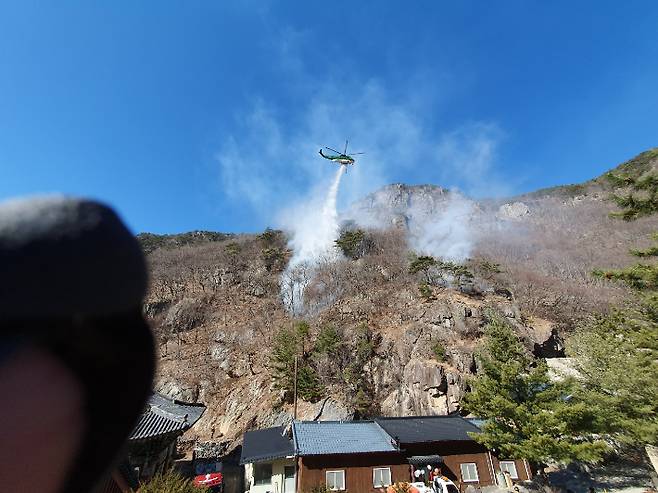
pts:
pixel 335 480
pixel 510 467
pixel 262 474
pixel 469 472
pixel 381 477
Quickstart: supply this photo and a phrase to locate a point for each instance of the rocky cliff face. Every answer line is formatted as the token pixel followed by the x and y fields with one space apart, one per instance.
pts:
pixel 228 367
pixel 398 204
pixel 215 305
pixel 216 321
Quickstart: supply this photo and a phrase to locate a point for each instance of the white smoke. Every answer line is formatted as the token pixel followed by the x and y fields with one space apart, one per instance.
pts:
pixel 441 223
pixel 312 227
pixel 448 234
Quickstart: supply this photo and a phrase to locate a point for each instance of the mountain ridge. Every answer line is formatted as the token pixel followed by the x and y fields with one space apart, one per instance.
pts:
pixel 216 309
pixel 634 167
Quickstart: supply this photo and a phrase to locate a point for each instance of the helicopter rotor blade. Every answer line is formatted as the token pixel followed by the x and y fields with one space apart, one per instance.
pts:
pixel 345 151
pixel 356 153
pixel 333 150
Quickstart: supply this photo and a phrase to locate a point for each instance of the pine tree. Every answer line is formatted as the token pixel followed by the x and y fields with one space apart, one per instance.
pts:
pixel 289 344
pixel 617 353
pixel 640 198
pixel 328 341
pixel 284 349
pixel 357 373
pixel 309 386
pixel 354 244
pixel 423 264
pixel 527 414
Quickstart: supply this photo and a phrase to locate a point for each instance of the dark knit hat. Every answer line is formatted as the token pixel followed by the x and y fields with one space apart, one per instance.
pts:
pixel 73 280
pixel 61 256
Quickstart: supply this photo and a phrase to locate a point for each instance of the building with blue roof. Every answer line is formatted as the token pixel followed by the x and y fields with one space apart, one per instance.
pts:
pixel 369 456
pixel 338 437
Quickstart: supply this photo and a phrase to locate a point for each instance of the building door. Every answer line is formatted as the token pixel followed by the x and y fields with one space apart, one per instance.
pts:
pixel 289 479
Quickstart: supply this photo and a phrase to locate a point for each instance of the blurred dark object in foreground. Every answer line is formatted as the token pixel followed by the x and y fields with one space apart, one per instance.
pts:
pixel 74 278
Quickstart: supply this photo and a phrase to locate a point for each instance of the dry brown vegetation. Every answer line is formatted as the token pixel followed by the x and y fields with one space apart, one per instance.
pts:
pixel 548 259
pixel 216 307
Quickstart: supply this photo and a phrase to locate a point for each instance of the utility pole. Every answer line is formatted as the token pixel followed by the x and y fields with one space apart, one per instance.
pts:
pixel 294 415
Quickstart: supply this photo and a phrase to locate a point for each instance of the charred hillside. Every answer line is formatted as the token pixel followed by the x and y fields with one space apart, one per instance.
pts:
pixel 379 332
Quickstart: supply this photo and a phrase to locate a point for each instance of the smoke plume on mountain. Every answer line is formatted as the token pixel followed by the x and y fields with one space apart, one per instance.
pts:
pixel 312 227
pixel 447 233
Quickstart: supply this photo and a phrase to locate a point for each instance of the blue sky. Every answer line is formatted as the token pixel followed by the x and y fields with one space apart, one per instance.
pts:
pixel 209 114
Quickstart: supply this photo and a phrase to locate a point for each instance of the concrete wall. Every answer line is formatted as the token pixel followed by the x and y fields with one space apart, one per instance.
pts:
pixel 276 485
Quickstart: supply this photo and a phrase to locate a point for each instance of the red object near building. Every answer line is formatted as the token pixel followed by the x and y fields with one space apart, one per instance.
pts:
pixel 213 481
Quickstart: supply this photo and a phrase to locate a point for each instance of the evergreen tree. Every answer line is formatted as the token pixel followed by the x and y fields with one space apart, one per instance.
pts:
pixel 436 271
pixel 288 344
pixel 269 237
pixel 425 291
pixel 309 386
pixel 423 264
pixel 354 244
pixel 527 414
pixel 439 351
pixel 459 273
pixel 284 349
pixel 617 354
pixel 357 373
pixel 273 258
pixel 328 341
pixel 640 198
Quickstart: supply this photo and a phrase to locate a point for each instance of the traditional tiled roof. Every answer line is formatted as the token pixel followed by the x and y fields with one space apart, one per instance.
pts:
pixel 428 428
pixel 173 406
pixel 266 444
pixel 165 416
pixel 331 437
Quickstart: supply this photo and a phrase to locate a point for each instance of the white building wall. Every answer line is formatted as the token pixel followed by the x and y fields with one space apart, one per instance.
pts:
pixel 276 485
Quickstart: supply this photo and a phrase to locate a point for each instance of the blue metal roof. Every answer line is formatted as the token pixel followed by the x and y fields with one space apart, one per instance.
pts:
pixel 333 437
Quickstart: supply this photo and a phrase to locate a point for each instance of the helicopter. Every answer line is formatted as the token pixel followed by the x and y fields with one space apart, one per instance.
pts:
pixel 342 157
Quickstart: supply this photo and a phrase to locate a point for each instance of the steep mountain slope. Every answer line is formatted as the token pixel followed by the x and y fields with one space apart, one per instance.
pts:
pixel 398 346
pixel 547 242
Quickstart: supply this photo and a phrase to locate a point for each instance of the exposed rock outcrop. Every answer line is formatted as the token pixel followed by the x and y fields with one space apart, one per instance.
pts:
pixel 215 302
pixel 514 211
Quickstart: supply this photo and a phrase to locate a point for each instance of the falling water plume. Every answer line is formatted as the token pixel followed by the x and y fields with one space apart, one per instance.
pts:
pixel 312 239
